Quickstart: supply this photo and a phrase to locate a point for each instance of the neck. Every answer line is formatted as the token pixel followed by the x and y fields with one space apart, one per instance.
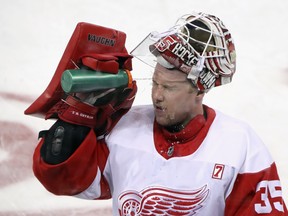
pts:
pixel 180 126
pixel 175 128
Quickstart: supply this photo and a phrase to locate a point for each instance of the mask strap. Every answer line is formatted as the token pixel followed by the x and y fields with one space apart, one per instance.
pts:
pixel 196 69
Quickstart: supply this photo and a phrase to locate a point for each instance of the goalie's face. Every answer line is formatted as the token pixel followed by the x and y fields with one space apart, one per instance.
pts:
pixel 174 98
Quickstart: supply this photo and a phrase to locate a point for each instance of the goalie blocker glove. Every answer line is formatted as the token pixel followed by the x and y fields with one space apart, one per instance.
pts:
pixel 63 138
pixel 98 49
pixel 103 108
pixel 77 112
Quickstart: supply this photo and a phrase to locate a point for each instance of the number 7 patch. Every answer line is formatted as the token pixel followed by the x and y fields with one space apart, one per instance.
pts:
pixel 218 171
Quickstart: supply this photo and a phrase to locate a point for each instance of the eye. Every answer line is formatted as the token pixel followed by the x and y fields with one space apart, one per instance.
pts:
pixel 166 87
pixel 154 83
pixel 169 87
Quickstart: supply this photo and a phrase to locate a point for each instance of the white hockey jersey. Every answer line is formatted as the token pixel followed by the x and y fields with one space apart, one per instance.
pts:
pixel 143 182
pixel 224 170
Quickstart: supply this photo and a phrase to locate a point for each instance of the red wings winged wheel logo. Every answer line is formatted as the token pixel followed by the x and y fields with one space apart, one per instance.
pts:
pixel 161 201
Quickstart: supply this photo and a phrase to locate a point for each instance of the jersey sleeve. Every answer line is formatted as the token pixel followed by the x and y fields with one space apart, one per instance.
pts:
pixel 75 175
pixel 256 194
pixel 257 188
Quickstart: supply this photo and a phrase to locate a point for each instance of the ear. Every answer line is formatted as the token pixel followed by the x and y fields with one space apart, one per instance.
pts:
pixel 200 92
pixel 200 96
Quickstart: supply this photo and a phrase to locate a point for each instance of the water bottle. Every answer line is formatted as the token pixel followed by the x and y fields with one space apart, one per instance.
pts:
pixel 83 80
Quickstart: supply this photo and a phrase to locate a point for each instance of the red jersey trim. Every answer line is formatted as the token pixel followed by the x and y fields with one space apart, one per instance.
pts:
pixel 185 142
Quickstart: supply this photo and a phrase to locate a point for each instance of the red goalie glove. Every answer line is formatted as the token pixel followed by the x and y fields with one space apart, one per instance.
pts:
pixel 95 48
pixel 99 110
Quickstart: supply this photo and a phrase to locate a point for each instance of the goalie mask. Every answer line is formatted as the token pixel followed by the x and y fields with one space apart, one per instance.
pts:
pixel 198 45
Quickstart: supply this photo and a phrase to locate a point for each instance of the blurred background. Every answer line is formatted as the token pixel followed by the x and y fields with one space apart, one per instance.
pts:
pixel 34 35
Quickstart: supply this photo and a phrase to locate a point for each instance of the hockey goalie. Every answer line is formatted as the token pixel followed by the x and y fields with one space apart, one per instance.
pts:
pixel 177 156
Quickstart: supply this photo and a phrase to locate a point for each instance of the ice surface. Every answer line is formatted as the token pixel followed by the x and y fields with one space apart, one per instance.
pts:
pixel 34 34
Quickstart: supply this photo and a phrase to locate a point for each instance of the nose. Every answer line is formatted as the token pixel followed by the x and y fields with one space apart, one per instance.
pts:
pixel 157 94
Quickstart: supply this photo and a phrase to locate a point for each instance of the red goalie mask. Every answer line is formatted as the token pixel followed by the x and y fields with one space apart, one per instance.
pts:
pixel 198 45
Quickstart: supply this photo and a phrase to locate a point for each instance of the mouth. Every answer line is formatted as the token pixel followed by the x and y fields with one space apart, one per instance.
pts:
pixel 159 110
pixel 158 107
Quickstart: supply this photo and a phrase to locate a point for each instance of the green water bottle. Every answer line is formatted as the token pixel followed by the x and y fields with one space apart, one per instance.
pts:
pixel 82 80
